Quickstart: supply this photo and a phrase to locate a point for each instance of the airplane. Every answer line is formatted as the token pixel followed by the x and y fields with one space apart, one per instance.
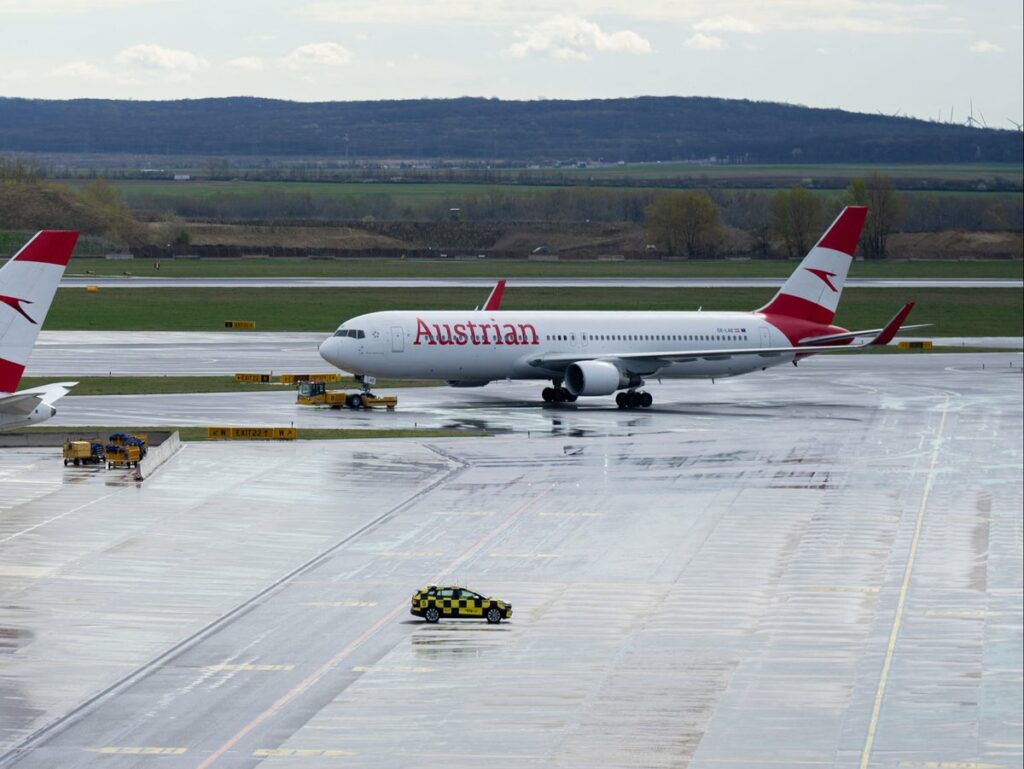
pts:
pixel 28 282
pixel 594 353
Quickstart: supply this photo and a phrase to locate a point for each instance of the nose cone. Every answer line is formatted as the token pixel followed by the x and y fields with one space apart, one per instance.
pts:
pixel 327 350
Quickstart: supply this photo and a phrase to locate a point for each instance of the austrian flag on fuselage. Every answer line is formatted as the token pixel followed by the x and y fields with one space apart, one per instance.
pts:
pixel 600 353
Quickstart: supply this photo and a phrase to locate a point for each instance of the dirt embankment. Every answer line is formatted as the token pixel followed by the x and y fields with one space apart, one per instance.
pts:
pixel 957 244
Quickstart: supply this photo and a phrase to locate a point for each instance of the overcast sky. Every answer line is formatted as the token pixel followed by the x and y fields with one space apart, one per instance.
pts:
pixel 918 58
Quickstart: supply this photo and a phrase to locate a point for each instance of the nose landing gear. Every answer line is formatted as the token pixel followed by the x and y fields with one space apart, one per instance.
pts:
pixel 633 399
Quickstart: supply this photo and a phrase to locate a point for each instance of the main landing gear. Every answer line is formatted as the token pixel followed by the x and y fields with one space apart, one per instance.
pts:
pixel 557 395
pixel 633 399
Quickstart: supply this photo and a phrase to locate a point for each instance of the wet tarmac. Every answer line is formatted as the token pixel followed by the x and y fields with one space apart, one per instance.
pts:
pixel 810 567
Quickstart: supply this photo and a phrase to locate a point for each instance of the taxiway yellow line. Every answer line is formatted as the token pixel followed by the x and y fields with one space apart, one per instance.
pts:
pixel 890 650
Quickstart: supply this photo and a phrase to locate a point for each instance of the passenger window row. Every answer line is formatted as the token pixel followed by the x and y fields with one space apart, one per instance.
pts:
pixel 653 338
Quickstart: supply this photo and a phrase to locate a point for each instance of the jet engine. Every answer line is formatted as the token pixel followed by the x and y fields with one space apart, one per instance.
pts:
pixel 597 377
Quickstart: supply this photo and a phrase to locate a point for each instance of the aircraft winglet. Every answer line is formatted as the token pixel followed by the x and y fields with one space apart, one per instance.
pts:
pixel 886 334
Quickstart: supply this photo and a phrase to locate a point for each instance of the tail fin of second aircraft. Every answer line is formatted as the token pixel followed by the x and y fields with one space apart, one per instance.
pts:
pixel 28 283
pixel 812 292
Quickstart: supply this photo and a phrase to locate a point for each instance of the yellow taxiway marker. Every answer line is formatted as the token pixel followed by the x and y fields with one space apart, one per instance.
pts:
pixel 122 750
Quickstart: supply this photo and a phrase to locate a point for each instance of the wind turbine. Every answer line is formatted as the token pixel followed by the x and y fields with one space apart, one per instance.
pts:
pixel 1015 124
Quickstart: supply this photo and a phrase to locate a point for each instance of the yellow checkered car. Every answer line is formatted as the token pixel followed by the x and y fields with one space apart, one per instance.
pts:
pixel 435 601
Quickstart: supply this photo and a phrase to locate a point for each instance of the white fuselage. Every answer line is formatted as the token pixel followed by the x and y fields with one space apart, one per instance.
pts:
pixel 477 347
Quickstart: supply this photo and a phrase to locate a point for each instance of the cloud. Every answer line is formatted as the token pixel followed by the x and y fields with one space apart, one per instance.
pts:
pixel 246 62
pixel 984 46
pixel 570 37
pixel 317 55
pixel 701 42
pixel 726 24
pixel 81 70
pixel 157 57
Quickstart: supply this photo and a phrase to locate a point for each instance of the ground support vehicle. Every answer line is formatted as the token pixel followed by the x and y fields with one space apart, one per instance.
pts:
pixel 434 602
pixel 122 456
pixel 125 450
pixel 83 453
pixel 317 394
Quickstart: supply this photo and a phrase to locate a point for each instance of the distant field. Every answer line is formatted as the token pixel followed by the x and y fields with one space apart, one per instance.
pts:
pixel 415 195
pixel 966 172
pixel 483 268
pixel 954 312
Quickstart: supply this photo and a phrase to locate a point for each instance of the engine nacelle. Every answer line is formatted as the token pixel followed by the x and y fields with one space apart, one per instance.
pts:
pixel 597 377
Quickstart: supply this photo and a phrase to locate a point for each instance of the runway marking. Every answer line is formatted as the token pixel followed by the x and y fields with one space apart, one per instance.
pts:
pixel 392 669
pixel 843 589
pixel 464 512
pixel 250 666
pixel 967 613
pixel 409 554
pixel 862 551
pixel 62 515
pixel 359 640
pixel 890 649
pixel 522 555
pixel 138 751
pixel 341 604
pixel 302 752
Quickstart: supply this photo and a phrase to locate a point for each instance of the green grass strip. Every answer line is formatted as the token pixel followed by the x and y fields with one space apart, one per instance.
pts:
pixel 952 311
pixel 451 268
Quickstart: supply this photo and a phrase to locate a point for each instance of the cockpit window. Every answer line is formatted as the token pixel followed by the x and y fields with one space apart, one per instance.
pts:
pixel 355 333
pixel 358 333
pixel 341 332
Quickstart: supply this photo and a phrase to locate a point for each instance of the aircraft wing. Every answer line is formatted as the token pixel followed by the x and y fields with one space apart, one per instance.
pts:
pixel 875 332
pixel 25 401
pixel 651 361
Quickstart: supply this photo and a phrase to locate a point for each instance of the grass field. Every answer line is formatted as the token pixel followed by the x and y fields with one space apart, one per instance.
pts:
pixel 482 268
pixel 953 311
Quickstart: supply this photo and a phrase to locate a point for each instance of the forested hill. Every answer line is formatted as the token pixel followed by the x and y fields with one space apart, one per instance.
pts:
pixel 639 129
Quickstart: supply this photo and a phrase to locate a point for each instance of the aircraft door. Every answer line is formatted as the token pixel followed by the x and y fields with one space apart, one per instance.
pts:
pixel 397 339
pixel 583 339
pixel 765 338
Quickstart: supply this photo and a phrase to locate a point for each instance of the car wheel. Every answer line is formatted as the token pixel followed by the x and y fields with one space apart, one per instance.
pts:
pixel 494 615
pixel 354 401
pixel 432 614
